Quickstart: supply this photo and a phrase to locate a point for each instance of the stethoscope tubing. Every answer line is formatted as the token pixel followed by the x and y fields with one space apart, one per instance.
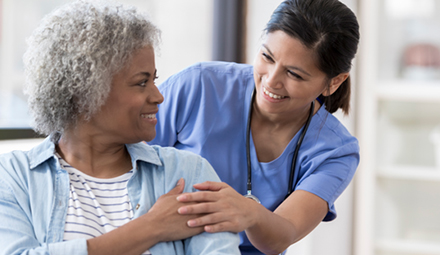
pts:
pixel 293 174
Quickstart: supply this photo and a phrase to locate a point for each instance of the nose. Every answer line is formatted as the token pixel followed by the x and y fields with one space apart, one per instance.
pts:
pixel 274 77
pixel 155 96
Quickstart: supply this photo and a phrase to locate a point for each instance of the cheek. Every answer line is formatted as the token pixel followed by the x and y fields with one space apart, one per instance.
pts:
pixel 323 89
pixel 259 69
pixel 258 65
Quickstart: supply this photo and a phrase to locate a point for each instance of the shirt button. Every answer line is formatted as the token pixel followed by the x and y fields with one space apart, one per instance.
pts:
pixel 137 206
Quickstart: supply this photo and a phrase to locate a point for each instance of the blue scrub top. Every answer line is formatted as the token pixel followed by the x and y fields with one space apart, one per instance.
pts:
pixel 205 111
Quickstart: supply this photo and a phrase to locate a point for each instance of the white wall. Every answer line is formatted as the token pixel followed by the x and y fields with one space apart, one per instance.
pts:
pixel 186 32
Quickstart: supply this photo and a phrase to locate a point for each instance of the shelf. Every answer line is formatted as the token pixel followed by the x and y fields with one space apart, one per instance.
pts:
pixel 407 172
pixel 409 91
pixel 408 246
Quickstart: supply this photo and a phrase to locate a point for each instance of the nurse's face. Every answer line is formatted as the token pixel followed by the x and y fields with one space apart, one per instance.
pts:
pixel 286 76
pixel 129 114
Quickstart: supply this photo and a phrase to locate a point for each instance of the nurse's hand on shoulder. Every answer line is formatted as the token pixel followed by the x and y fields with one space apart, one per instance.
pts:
pixel 172 225
pixel 224 208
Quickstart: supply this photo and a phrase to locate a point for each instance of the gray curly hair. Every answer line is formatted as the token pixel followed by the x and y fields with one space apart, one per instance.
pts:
pixel 72 57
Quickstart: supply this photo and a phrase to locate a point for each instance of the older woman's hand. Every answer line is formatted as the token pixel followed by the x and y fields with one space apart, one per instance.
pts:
pixel 172 225
pixel 224 209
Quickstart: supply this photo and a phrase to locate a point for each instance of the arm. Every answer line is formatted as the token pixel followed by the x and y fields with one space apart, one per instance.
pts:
pixel 293 219
pixel 161 223
pixel 225 243
pixel 218 242
pixel 270 232
pixel 296 217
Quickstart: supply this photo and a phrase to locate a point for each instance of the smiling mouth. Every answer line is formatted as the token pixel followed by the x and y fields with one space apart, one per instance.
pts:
pixel 272 95
pixel 148 116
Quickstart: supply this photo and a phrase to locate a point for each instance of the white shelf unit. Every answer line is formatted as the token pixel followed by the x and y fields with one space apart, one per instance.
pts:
pixel 401 90
pixel 405 247
pixel 397 186
pixel 408 172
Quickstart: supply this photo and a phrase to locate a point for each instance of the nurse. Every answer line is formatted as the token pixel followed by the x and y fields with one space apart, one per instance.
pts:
pixel 249 121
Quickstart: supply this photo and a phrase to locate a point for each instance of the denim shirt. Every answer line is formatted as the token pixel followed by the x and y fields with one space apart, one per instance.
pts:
pixel 34 193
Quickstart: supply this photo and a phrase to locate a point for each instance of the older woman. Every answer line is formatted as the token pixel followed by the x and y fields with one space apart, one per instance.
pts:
pixel 92 187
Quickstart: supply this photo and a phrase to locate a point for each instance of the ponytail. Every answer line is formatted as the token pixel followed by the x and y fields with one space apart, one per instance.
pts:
pixel 339 99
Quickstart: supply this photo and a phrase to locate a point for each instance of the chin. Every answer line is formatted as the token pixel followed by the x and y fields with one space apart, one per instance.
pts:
pixel 149 137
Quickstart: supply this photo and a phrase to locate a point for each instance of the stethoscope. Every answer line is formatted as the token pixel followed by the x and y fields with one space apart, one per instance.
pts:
pixel 293 174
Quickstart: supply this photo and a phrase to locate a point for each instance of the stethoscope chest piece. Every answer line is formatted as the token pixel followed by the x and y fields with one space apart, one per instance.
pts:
pixel 249 195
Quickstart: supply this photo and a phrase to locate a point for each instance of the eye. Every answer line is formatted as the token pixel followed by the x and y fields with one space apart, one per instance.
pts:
pixel 142 83
pixel 295 75
pixel 267 57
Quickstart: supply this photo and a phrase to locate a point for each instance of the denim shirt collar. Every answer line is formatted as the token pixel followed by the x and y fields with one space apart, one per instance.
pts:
pixel 138 152
pixel 143 152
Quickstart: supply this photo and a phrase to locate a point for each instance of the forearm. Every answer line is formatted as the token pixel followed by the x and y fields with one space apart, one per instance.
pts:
pixel 133 238
pixel 271 233
pixel 161 224
pixel 297 216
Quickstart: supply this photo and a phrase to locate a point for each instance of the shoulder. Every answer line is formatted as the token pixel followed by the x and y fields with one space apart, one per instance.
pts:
pixel 170 156
pixel 330 146
pixel 219 67
pixel 330 129
pixel 208 73
pixel 194 168
pixel 14 168
pixel 329 142
pixel 167 157
pixel 225 67
pixel 18 166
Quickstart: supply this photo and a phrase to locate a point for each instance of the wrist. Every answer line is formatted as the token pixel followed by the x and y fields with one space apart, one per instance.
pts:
pixel 257 212
pixel 151 229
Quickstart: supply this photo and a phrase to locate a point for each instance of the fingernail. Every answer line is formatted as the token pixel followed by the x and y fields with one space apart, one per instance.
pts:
pixel 191 223
pixel 182 210
pixel 181 197
pixel 179 182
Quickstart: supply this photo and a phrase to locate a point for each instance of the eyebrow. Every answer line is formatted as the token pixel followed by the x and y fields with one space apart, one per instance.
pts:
pixel 148 74
pixel 289 67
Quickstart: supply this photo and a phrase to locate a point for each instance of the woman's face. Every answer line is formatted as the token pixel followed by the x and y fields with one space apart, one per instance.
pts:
pixel 129 114
pixel 286 76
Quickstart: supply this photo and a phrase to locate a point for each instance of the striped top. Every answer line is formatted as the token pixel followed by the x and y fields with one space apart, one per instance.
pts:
pixel 96 205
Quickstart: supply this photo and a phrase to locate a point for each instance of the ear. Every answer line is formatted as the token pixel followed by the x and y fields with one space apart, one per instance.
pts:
pixel 335 82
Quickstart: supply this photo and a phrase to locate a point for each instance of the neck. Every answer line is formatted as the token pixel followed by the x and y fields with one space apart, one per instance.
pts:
pixel 272 133
pixel 294 120
pixel 93 155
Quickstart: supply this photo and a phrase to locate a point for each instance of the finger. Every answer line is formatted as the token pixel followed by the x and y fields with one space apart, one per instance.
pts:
pixel 179 187
pixel 201 196
pixel 209 185
pixel 220 227
pixel 215 220
pixel 200 208
pixel 214 223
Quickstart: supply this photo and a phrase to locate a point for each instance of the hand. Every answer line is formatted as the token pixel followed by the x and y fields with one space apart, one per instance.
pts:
pixel 173 226
pixel 224 209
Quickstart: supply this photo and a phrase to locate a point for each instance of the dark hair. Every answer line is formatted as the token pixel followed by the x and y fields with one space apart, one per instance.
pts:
pixel 331 30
